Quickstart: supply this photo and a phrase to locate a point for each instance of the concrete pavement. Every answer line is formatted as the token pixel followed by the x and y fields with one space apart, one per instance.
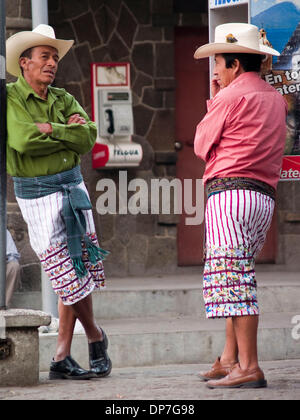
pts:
pixel 168 382
pixel 151 321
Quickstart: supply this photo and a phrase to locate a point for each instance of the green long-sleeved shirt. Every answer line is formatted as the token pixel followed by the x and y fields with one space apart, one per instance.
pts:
pixel 31 153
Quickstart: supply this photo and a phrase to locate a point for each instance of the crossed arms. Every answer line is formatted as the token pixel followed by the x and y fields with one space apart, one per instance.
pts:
pixel 46 128
pixel 72 129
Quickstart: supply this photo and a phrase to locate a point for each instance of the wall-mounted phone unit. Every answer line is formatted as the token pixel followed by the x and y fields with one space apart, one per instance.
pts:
pixel 112 112
pixel 115 113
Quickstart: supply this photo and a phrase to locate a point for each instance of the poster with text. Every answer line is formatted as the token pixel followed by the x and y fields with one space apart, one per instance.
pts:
pixel 279 24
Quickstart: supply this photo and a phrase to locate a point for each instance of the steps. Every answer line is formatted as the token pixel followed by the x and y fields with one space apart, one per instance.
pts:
pixel 161 320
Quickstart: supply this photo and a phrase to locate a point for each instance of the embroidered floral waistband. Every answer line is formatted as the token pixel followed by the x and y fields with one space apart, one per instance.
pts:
pixel 218 185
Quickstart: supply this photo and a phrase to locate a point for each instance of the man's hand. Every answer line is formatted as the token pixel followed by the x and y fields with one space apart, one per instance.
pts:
pixel 215 87
pixel 76 119
pixel 45 128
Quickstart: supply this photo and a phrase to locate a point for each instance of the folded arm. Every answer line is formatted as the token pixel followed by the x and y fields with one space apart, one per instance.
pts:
pixel 27 135
pixel 46 128
pixel 24 136
pixel 78 132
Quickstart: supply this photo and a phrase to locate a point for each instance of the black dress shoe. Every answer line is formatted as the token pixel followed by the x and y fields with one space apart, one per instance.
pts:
pixel 69 369
pixel 100 363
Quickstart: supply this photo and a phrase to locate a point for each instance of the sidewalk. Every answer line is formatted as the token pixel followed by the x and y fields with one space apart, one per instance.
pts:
pixel 169 382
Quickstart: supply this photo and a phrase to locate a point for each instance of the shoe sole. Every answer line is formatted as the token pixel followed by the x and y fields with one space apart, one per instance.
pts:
pixel 249 385
pixel 59 375
pixel 205 379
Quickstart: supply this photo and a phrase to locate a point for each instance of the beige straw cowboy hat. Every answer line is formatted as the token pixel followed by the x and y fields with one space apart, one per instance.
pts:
pixel 21 41
pixel 235 38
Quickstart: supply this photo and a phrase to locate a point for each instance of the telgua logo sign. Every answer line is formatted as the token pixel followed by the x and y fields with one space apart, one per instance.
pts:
pixel 120 152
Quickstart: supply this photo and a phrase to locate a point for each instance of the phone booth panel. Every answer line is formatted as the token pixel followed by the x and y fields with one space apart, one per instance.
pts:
pixel 112 112
pixel 221 11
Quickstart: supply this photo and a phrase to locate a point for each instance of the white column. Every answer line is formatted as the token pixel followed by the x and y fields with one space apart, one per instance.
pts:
pixel 39 12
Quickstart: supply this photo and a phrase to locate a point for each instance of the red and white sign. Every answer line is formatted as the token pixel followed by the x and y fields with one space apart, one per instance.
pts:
pixel 100 155
pixel 290 170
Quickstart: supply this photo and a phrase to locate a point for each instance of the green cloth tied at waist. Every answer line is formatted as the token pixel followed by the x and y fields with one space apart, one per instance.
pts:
pixel 74 201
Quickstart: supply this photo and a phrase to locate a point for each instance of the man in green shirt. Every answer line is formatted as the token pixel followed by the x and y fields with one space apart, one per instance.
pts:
pixel 37 148
pixel 47 131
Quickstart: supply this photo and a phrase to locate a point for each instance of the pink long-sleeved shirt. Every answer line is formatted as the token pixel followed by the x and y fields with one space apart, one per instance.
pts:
pixel 243 133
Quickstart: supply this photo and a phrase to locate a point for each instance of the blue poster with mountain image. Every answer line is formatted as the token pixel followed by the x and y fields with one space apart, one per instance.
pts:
pixel 281 21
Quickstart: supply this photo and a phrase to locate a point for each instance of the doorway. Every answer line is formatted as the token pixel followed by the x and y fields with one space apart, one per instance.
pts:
pixel 192 91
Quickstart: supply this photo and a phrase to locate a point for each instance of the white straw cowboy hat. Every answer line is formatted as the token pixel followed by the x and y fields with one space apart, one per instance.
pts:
pixel 235 38
pixel 21 41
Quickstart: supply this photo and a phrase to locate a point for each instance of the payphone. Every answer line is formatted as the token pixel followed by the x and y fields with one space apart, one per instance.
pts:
pixel 112 112
pixel 283 35
pixel 115 113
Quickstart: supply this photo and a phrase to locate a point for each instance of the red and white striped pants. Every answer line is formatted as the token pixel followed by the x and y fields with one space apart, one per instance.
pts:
pixel 236 223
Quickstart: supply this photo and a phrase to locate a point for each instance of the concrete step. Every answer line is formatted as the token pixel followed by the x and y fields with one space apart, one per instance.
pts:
pixel 179 295
pixel 175 340
pixel 136 297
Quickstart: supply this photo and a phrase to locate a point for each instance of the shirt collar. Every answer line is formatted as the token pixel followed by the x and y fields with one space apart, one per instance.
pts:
pixel 27 90
pixel 243 76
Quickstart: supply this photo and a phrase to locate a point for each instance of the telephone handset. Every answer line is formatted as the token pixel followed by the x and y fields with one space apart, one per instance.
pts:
pixel 111 127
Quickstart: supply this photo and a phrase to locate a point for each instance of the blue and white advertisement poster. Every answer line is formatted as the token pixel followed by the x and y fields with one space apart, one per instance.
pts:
pixel 213 4
pixel 279 23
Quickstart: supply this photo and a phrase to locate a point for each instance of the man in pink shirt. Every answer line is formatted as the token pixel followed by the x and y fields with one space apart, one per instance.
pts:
pixel 241 139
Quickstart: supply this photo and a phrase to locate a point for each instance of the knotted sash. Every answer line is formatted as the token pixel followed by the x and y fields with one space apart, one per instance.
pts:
pixel 74 201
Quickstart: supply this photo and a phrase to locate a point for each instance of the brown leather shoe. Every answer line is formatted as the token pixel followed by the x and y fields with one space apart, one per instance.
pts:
pixel 218 371
pixel 239 378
